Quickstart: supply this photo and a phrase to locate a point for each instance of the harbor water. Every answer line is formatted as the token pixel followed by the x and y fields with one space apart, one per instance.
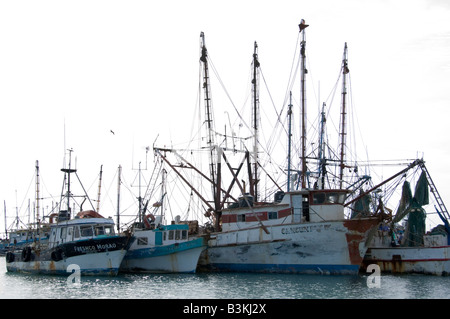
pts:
pixel 222 286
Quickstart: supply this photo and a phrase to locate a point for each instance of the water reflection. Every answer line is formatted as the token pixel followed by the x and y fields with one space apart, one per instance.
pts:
pixel 222 286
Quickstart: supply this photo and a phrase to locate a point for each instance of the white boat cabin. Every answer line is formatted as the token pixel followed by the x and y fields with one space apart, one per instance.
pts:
pixel 161 236
pixel 80 229
pixel 294 207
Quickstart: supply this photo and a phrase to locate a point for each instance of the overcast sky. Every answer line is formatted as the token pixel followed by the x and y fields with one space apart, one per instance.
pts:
pixel 73 71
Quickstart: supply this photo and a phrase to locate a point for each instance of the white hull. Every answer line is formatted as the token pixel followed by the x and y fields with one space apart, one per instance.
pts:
pixel 421 260
pixel 184 261
pixel 105 263
pixel 332 247
pixel 166 249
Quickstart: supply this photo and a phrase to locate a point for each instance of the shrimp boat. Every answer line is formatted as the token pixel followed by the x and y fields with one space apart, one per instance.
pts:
pixel 303 229
pixel 87 241
pixel 408 249
pixel 161 248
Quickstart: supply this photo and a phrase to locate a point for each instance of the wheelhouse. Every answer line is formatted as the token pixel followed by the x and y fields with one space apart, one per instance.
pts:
pixel 293 207
pixel 80 229
pixel 163 235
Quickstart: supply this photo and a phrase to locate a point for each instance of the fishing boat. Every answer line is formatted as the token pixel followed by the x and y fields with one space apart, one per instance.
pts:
pixel 161 248
pixel 87 241
pixel 19 238
pixel 302 229
pixel 408 249
pixel 19 234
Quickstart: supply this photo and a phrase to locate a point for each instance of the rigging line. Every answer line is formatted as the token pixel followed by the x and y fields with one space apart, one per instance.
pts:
pixel 149 182
pixel 226 92
pixel 24 199
pixel 45 186
pixel 355 111
pixel 84 191
pixel 271 99
pixel 113 181
pixel 290 81
pixel 247 96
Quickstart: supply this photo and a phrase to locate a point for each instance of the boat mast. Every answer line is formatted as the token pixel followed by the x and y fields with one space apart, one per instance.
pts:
pixel 215 175
pixel 302 27
pixel 289 142
pixel 37 194
pixel 68 171
pixel 6 226
pixel 163 192
pixel 322 161
pixel 255 88
pixel 343 132
pixel 37 203
pixel 118 197
pixel 99 188
pixel 140 212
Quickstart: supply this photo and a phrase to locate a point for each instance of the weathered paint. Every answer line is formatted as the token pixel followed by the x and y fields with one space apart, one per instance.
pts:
pixel 357 236
pixel 254 216
pixel 179 261
pixel 95 256
pixel 106 263
pixel 331 247
pixel 422 260
pixel 167 256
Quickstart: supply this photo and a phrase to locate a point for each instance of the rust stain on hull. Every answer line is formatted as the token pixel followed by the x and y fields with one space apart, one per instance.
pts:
pixel 358 232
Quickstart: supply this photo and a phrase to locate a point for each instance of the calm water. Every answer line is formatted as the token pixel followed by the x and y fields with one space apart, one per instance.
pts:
pixel 221 286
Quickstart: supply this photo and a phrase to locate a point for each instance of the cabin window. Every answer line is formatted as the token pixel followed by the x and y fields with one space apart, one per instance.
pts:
pixel 328 198
pixel 63 233
pixel 184 234
pixel 86 231
pixel 109 230
pixel 177 235
pixel 69 233
pixel 241 218
pixel 104 230
pixel 332 198
pixel 142 241
pixel 335 198
pixel 76 232
pixel 164 235
pixel 272 215
pixel 99 230
pixel 319 198
pixel 171 234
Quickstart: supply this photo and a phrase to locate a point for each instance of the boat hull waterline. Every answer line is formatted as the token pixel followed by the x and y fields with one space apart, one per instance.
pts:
pixel 419 260
pixel 332 247
pixel 93 257
pixel 175 258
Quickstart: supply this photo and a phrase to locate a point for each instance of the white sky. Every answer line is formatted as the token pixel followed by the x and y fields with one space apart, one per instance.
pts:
pixel 132 67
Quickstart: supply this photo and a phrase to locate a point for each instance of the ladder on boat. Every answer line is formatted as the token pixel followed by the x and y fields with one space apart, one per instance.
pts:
pixel 433 189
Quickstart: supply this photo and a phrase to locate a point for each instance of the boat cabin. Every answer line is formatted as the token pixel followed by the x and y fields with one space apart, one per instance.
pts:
pixel 294 207
pixel 162 235
pixel 80 229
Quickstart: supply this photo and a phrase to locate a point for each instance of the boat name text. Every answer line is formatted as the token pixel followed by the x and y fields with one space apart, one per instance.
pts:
pixel 94 248
pixel 304 229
